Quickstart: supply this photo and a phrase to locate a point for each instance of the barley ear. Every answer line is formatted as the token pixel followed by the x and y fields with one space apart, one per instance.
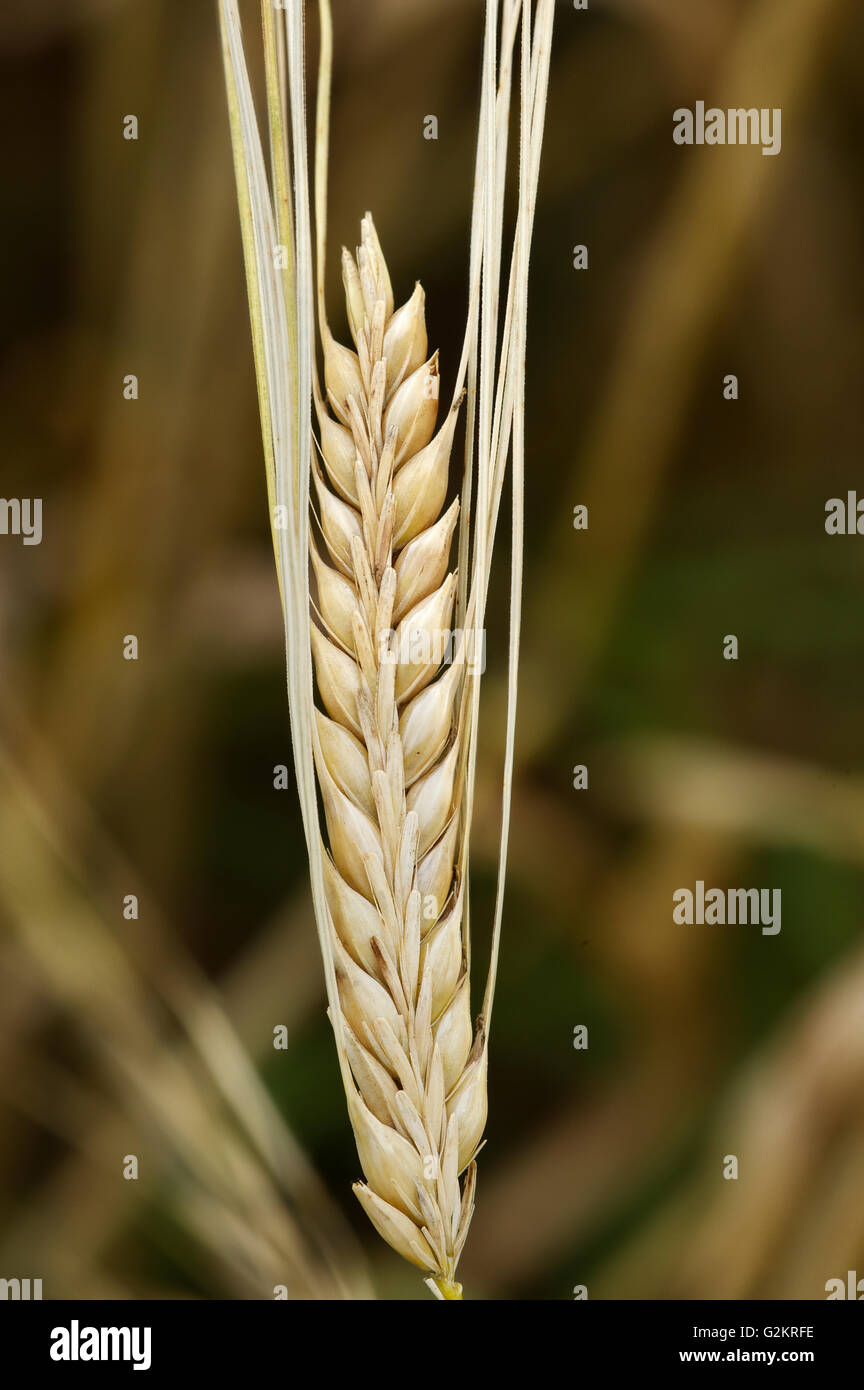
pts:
pixel 421 1080
pixel 391 743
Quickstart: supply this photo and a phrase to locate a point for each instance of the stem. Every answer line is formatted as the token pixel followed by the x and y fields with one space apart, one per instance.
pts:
pixel 451 1292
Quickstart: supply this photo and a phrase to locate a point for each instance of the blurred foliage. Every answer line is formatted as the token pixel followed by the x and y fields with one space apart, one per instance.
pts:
pixel 706 517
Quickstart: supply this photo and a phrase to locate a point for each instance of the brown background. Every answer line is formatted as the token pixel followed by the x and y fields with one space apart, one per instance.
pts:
pixel 154 1037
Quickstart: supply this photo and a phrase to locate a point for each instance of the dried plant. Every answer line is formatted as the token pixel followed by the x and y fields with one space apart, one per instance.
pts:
pixel 368 592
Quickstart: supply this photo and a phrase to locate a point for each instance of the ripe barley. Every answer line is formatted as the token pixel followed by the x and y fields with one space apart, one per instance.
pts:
pixel 388 754
pixel 392 740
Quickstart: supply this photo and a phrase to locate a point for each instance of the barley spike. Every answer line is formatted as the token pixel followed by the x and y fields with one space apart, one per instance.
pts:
pixel 386 753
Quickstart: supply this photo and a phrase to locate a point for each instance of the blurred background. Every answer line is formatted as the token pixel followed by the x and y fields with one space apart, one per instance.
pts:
pixel 151 1036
